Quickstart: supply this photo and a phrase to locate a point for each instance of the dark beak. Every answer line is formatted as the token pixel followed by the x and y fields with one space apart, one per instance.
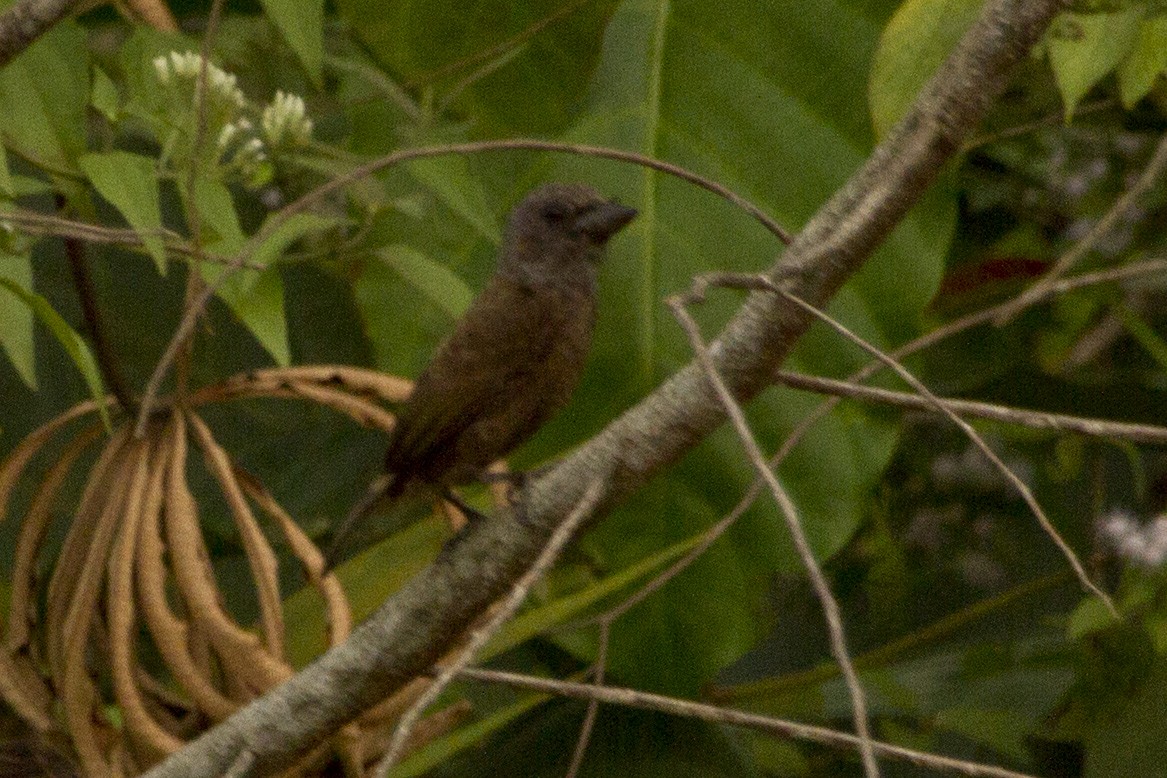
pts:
pixel 604 220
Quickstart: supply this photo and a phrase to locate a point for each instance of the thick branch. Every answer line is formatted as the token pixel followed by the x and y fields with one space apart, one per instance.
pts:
pixel 26 21
pixel 414 627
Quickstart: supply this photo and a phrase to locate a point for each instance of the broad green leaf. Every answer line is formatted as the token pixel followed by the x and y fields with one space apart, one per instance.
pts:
pixel 449 178
pixel 104 96
pixel 433 280
pixel 43 96
pixel 16 335
pixel 915 41
pixel 450 45
pixel 302 25
pixel 1085 47
pixel 130 183
pixel 73 343
pixel 1147 61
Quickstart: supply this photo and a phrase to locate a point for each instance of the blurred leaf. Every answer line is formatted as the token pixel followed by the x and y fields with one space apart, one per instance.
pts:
pixel 1083 48
pixel 439 751
pixel 1091 615
pixel 1001 730
pixel 368 579
pixel 289 231
pixel 6 185
pixel 916 40
pixel 16 334
pixel 1135 741
pixel 302 25
pixel 450 180
pixel 543 617
pixel 446 45
pixel 434 281
pixel 130 183
pixel 43 95
pixel 104 96
pixel 1146 63
pixel 73 344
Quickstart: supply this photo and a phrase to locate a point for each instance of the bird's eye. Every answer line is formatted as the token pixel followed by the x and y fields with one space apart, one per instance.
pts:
pixel 554 212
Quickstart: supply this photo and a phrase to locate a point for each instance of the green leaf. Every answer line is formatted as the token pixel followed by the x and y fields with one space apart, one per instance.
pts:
pixel 1083 48
pixel 288 232
pixel 130 183
pixel 256 297
pixel 7 189
pixel 43 95
pixel 104 96
pixel 915 41
pixel 16 335
pixel 449 178
pixel 542 618
pixel 440 750
pixel 73 343
pixel 435 281
pixel 216 209
pixel 450 45
pixel 301 22
pixel 369 578
pixel 1147 61
pixel 1090 616
pixel 1132 742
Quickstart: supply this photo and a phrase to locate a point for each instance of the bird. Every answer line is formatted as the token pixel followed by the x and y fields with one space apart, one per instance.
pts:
pixel 512 361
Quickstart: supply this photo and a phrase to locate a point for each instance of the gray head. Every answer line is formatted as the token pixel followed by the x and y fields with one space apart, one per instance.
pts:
pixel 556 235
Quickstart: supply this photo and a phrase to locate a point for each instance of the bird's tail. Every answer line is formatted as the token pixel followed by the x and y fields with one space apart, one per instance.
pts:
pixel 384 486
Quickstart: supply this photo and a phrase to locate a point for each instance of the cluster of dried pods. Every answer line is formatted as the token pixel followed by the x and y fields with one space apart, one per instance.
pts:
pixel 133 579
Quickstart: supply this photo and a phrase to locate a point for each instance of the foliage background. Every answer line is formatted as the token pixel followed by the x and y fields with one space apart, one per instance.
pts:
pixel 781 102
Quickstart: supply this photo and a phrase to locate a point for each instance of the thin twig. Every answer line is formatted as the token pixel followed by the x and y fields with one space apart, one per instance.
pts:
pixel 593 711
pixel 634 698
pixel 818 581
pixel 43 224
pixel 1083 247
pixel 480 636
pixel 956 327
pixel 742 281
pixel 1097 428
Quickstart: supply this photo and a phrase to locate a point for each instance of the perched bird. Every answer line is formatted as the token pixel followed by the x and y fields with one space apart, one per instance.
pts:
pixel 514 358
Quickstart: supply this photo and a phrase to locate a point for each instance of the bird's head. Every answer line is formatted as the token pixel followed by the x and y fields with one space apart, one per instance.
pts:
pixel 556 235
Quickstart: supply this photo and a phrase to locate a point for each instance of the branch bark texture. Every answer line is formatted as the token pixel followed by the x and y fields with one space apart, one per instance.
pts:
pixel 26 21
pixel 421 622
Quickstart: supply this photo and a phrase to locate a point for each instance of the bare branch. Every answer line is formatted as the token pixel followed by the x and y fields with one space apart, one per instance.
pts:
pixel 633 698
pixel 1097 428
pixel 26 21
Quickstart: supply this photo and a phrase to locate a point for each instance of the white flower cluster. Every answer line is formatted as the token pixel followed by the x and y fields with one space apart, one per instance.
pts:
pixel 1139 544
pixel 186 66
pixel 284 121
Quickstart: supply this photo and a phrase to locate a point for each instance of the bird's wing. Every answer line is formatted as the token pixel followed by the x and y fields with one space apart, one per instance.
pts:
pixel 493 343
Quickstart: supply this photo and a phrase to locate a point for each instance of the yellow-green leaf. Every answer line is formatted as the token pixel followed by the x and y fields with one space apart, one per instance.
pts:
pixel 130 183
